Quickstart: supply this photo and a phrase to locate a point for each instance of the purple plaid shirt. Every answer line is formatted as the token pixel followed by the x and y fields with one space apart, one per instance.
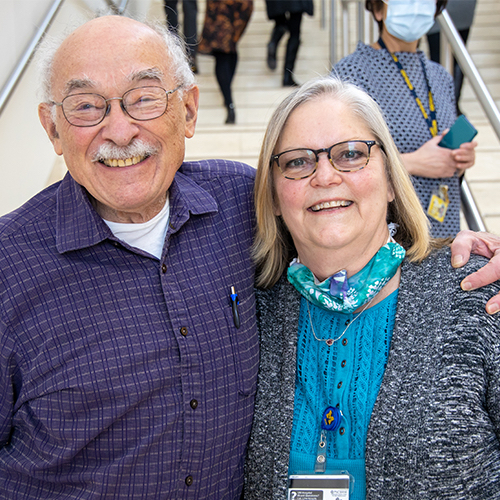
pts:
pixel 122 376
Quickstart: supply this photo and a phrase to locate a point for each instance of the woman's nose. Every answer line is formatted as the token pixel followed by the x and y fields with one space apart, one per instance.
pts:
pixel 325 173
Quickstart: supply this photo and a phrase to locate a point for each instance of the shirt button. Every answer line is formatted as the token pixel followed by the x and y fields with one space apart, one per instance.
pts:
pixel 344 342
pixel 189 480
pixel 184 331
pixel 194 404
pixel 343 364
pixel 164 268
pixel 347 322
pixel 339 385
pixel 342 431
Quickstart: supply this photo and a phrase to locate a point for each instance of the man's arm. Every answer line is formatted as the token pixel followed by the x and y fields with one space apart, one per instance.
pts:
pixel 480 243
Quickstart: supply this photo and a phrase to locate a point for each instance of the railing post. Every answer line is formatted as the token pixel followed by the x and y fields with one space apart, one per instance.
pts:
pixel 333 33
pixel 469 208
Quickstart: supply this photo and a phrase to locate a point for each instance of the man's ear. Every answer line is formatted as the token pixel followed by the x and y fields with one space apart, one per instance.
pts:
pixel 46 118
pixel 191 99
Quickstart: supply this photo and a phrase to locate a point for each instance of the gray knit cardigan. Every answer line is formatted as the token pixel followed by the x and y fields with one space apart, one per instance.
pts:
pixel 435 429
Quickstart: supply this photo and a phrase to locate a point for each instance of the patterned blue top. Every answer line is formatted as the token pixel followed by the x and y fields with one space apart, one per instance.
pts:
pixel 375 72
pixel 347 374
pixel 122 376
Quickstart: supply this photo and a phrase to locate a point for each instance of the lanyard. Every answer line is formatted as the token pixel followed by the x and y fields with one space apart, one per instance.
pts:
pixel 431 120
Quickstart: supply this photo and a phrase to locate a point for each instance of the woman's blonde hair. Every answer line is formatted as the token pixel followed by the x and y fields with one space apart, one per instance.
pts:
pixel 273 247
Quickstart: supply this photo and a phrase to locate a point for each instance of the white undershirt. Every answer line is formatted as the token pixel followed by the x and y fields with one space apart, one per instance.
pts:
pixel 148 236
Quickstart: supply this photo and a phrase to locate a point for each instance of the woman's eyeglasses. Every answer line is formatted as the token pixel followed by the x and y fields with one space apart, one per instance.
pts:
pixel 347 156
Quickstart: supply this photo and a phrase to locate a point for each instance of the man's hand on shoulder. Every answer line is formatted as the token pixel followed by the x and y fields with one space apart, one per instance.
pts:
pixel 480 243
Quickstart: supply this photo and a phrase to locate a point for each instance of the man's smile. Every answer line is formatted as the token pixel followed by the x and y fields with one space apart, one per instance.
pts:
pixel 113 162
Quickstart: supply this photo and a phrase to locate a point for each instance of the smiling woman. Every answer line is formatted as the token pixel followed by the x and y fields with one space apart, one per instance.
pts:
pixel 304 120
pixel 367 331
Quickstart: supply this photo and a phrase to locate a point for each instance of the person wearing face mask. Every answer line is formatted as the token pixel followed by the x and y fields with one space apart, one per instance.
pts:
pixel 418 100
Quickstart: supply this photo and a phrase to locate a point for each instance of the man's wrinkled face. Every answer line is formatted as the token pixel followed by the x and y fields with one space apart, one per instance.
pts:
pixel 126 165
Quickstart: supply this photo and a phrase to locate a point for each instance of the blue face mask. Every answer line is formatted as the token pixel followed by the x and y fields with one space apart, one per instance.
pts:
pixel 410 20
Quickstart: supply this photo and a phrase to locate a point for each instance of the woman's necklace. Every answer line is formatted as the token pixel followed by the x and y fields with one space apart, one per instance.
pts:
pixel 330 342
pixel 332 416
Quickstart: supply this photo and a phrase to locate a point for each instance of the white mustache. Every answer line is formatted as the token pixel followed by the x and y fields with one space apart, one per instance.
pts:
pixel 114 152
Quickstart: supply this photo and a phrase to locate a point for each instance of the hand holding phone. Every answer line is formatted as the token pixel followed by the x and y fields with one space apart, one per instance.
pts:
pixel 461 131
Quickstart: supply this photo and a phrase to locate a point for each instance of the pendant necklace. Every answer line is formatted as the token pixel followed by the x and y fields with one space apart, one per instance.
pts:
pixel 332 416
pixel 330 342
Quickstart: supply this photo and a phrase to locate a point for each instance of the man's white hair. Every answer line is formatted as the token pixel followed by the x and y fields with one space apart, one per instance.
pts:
pixel 175 51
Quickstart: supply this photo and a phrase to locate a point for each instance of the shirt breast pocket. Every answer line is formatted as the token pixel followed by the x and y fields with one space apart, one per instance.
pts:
pixel 244 344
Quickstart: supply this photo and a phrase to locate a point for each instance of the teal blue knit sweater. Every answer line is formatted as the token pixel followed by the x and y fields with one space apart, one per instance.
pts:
pixel 347 374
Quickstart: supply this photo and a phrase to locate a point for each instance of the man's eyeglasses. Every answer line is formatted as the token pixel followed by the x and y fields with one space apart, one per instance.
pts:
pixel 142 104
pixel 347 156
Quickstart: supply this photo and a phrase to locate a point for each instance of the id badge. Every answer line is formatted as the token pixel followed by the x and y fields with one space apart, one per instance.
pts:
pixel 318 487
pixel 439 204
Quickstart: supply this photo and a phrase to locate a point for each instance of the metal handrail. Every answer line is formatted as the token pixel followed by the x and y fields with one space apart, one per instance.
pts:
pixel 16 75
pixel 469 206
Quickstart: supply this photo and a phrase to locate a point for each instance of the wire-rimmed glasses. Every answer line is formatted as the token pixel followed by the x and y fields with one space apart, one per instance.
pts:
pixel 142 104
pixel 347 156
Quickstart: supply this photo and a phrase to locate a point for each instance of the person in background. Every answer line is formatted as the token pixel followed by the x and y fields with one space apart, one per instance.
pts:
pixel 418 100
pixel 374 364
pixel 287 16
pixel 225 22
pixel 190 28
pixel 128 346
pixel 462 15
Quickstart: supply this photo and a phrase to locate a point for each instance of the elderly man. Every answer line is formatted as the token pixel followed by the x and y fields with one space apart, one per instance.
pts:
pixel 128 349
pixel 127 366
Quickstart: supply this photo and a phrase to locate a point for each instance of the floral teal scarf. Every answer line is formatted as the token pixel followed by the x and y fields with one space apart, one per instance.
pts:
pixel 340 293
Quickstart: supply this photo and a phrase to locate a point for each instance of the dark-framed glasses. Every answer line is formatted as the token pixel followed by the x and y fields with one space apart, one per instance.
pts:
pixel 142 104
pixel 347 156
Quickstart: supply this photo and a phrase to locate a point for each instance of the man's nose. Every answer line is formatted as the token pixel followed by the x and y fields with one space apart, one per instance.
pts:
pixel 118 126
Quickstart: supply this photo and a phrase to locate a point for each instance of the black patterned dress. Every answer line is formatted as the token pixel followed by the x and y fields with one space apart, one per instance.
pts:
pixel 225 22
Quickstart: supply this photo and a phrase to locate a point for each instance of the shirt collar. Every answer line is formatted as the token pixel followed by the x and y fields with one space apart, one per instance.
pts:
pixel 78 225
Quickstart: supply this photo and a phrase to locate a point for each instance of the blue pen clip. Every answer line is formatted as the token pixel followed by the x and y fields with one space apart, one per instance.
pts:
pixel 234 307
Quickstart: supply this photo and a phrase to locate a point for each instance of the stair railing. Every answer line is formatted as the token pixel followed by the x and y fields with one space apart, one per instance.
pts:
pixel 16 75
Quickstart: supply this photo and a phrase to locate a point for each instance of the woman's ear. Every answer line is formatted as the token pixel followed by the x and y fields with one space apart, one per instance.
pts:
pixel 379 11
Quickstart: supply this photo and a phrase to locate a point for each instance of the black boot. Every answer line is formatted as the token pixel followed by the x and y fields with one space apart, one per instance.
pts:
pixel 278 32
pixel 292 47
pixel 231 116
pixel 288 80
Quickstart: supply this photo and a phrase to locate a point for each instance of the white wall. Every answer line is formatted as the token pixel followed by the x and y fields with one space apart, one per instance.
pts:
pixel 28 162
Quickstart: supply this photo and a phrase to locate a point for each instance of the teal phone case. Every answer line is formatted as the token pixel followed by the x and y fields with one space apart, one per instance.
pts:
pixel 461 131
